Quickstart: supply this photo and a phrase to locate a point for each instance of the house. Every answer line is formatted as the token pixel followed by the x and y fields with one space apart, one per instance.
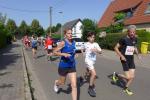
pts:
pixel 136 12
pixel 75 25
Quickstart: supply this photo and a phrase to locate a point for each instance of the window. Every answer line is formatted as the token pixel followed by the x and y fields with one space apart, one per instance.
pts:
pixel 129 14
pixel 148 9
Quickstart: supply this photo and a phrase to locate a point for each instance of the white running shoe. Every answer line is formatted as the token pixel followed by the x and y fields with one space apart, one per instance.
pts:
pixel 56 88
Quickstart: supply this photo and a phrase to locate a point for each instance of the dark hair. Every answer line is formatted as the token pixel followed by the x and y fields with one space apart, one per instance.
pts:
pixel 90 34
pixel 34 36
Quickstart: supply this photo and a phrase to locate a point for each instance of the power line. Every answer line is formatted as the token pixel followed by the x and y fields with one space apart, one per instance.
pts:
pixel 25 10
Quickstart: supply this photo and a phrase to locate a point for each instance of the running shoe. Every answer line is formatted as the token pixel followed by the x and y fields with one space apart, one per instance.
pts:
pixel 56 88
pixel 92 92
pixel 87 77
pixel 128 91
pixel 114 77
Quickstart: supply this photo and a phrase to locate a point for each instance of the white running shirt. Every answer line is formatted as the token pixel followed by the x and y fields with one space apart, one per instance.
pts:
pixel 89 55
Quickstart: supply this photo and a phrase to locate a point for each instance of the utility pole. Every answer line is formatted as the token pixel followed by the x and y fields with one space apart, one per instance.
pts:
pixel 50 12
pixel 61 29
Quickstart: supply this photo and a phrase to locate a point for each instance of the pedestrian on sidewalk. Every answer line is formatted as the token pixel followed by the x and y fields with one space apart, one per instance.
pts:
pixel 91 48
pixel 125 48
pixel 34 44
pixel 67 64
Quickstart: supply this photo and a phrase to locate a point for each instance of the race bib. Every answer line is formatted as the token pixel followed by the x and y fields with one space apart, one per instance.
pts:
pixel 129 50
pixel 92 56
pixel 49 46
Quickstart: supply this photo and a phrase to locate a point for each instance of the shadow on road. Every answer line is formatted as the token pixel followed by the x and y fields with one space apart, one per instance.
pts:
pixel 120 82
pixel 8 57
pixel 4 85
pixel 67 91
pixel 80 83
pixel 4 73
pixel 39 56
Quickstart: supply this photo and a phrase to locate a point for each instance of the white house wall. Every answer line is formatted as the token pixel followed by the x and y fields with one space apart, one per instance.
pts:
pixel 77 31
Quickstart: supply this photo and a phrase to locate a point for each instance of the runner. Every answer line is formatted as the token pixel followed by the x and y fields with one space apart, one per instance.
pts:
pixel 125 49
pixel 91 48
pixel 48 47
pixel 34 46
pixel 26 41
pixel 67 65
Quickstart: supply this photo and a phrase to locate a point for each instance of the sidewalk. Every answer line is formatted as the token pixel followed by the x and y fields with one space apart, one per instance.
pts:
pixel 11 73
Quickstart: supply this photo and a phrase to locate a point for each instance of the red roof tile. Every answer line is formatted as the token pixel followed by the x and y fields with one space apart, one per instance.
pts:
pixel 120 5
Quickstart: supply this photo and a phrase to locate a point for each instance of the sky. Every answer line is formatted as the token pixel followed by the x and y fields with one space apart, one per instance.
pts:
pixel 28 10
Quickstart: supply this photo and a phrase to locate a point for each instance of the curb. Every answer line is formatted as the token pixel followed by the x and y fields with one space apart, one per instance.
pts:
pixel 36 89
pixel 27 88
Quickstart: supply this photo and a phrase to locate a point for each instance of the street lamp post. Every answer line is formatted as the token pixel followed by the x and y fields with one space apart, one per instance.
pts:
pixel 61 29
pixel 50 33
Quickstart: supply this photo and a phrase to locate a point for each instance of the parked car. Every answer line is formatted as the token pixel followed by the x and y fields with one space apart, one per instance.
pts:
pixel 79 44
pixel 55 42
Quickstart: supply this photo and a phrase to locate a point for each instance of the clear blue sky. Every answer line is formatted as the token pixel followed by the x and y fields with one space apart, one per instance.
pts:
pixel 28 10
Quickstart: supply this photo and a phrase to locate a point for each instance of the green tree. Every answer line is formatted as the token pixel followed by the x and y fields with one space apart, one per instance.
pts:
pixel 48 30
pixel 2 18
pixel 35 27
pixel 58 26
pixel 23 28
pixel 5 37
pixel 54 29
pixel 89 26
pixel 40 31
pixel 11 26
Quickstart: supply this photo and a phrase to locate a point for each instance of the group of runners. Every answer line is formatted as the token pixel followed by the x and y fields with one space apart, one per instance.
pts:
pixel 34 41
pixel 125 48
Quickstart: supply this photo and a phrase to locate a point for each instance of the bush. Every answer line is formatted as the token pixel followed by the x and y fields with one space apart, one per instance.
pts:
pixel 2 36
pixel 143 36
pixel 57 36
pixel 119 16
pixel 114 28
pixel 110 40
pixel 2 40
pixel 5 37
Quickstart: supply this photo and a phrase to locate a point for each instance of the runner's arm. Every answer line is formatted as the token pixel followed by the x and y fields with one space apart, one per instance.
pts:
pixel 58 48
pixel 117 50
pixel 99 50
pixel 137 53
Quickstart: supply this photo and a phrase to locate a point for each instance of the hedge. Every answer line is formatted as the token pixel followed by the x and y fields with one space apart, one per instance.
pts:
pixel 5 37
pixel 112 38
pixel 57 36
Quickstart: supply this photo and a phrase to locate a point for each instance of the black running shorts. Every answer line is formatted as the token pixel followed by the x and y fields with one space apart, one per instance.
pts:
pixel 65 71
pixel 129 64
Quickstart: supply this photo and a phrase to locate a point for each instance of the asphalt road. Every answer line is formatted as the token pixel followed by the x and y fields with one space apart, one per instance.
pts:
pixel 106 64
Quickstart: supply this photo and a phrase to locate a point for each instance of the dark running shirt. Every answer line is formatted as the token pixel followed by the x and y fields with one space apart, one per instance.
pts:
pixel 127 46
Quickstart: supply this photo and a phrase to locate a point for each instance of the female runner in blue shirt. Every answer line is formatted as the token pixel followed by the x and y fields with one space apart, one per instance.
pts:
pixel 67 64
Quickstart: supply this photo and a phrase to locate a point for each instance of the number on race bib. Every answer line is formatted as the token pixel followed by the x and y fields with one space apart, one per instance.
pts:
pixel 49 46
pixel 129 50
